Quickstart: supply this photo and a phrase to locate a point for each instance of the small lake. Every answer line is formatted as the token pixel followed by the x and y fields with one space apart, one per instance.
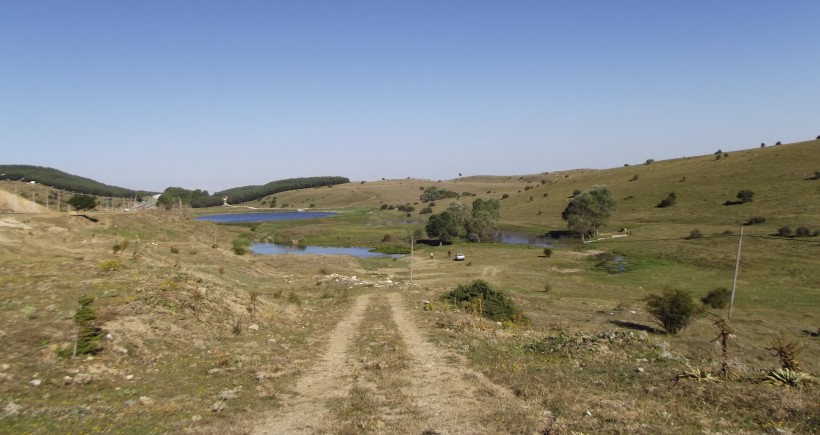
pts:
pixel 274 249
pixel 238 218
pixel 516 238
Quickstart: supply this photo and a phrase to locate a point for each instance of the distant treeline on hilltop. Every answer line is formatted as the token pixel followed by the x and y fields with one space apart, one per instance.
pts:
pixel 199 198
pixel 61 180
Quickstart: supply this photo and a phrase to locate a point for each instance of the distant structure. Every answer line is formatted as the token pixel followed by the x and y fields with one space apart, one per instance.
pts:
pixel 224 200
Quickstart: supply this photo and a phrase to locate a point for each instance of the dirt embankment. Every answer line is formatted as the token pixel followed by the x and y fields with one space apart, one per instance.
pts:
pixel 11 203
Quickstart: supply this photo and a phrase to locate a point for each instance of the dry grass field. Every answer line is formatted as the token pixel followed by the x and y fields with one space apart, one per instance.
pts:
pixel 195 338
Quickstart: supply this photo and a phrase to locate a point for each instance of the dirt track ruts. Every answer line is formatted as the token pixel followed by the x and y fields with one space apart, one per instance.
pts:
pixel 448 397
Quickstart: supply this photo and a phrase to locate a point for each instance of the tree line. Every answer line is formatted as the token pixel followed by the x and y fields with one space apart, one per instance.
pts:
pixel 63 181
pixel 176 196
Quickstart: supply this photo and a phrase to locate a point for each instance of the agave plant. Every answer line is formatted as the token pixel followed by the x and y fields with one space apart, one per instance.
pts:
pixel 783 376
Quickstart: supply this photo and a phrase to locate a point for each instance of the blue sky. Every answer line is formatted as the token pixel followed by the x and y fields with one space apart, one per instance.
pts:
pixel 219 94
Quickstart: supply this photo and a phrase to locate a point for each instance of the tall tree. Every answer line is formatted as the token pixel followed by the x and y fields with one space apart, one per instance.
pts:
pixel 442 226
pixel 589 211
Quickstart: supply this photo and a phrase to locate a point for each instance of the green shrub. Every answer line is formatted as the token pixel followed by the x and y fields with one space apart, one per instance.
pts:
pixel 668 201
pixel 785 231
pixel 482 298
pixel 109 265
pixel 240 245
pixel 635 177
pixel 745 196
pixel 674 309
pixel 756 220
pixel 694 234
pixel 426 210
pixel 88 338
pixel 174 250
pixel 802 232
pixel 548 252
pixel 717 298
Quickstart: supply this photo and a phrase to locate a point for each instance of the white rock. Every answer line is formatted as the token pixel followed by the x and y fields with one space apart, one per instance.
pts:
pixel 146 401
pixel 35 382
pixel 253 327
pixel 129 377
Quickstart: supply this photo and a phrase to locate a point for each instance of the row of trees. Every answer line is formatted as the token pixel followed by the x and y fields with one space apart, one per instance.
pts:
pixel 177 196
pixel 63 181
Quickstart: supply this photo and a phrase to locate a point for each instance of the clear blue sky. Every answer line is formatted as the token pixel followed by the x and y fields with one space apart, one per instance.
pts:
pixel 218 94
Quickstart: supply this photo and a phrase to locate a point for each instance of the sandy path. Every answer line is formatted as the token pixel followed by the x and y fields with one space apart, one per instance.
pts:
pixel 328 379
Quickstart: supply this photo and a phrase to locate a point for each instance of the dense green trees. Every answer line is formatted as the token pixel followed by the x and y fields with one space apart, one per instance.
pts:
pixel 83 202
pixel 434 193
pixel 478 220
pixel 61 180
pixel 590 211
pixel 443 226
pixel 176 196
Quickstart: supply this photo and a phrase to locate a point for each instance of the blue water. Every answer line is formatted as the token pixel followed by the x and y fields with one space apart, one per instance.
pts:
pixel 515 238
pixel 235 218
pixel 273 249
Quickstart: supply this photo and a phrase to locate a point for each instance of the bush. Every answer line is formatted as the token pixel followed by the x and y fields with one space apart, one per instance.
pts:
pixel 481 297
pixel 785 231
pixel 756 220
pixel 88 338
pixel 387 238
pixel 649 161
pixel 674 309
pixel 426 210
pixel 717 298
pixel 547 252
pixel 109 265
pixel 668 201
pixel 745 196
pixel 505 196
pixel 802 232
pixel 634 177
pixel 240 245
pixel 694 234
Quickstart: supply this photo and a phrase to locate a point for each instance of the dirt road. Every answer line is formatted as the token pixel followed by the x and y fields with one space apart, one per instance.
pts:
pixel 379 374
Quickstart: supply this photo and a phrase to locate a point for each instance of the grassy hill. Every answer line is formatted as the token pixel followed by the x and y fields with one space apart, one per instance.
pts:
pixel 204 340
pixel 61 180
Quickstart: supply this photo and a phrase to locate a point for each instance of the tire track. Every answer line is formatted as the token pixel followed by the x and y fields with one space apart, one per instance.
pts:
pixel 454 399
pixel 329 379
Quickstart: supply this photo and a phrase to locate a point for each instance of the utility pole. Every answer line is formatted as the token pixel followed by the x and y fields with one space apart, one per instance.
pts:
pixel 737 266
pixel 411 259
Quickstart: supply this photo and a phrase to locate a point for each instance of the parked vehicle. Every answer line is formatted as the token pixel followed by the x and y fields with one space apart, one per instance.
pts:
pixel 459 256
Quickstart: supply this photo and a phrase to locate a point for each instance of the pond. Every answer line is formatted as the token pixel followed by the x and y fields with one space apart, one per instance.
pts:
pixel 516 238
pixel 274 249
pixel 237 218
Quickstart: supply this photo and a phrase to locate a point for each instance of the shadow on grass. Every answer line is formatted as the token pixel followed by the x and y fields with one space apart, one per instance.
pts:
pixel 637 327
pixel 87 217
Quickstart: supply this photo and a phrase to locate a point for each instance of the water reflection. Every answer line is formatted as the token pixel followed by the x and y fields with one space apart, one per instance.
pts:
pixel 516 238
pixel 274 249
